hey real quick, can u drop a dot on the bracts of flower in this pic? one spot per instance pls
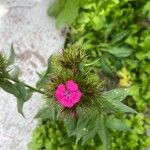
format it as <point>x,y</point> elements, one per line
<point>74,94</point>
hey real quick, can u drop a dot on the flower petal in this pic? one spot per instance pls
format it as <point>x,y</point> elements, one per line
<point>71,85</point>
<point>75,97</point>
<point>60,91</point>
<point>61,87</point>
<point>65,102</point>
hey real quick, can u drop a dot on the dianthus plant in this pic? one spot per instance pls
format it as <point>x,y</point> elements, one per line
<point>73,93</point>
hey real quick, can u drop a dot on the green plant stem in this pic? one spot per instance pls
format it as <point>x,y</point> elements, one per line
<point>26,85</point>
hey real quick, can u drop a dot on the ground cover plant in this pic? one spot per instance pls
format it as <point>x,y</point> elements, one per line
<point>116,34</point>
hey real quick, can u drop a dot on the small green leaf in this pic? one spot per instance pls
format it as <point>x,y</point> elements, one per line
<point>70,124</point>
<point>8,87</point>
<point>81,125</point>
<point>20,103</point>
<point>146,9</point>
<point>106,67</point>
<point>102,131</point>
<point>67,16</point>
<point>115,123</point>
<point>89,131</point>
<point>116,1</point>
<point>22,96</point>
<point>14,74</point>
<point>65,11</point>
<point>46,113</point>
<point>123,108</point>
<point>56,7</point>
<point>12,56</point>
<point>118,94</point>
<point>119,36</point>
<point>44,79</point>
<point>120,52</point>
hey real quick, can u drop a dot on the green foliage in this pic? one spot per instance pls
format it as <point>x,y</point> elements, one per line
<point>135,138</point>
<point>116,33</point>
<point>52,135</point>
<point>66,8</point>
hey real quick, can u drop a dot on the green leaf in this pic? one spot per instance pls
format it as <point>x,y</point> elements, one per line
<point>65,11</point>
<point>118,94</point>
<point>112,99</point>
<point>115,123</point>
<point>81,126</point>
<point>119,36</point>
<point>14,74</point>
<point>46,113</point>
<point>146,9</point>
<point>18,90</point>
<point>105,66</point>
<point>44,79</point>
<point>8,87</point>
<point>102,131</point>
<point>70,124</point>
<point>22,96</point>
<point>123,108</point>
<point>116,1</point>
<point>120,52</point>
<point>20,103</point>
<point>89,131</point>
<point>56,7</point>
<point>12,56</point>
<point>67,16</point>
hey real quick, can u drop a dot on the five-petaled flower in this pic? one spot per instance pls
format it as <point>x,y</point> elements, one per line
<point>68,94</point>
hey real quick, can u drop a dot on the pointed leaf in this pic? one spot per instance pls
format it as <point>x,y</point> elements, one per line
<point>56,7</point>
<point>12,56</point>
<point>116,94</point>
<point>70,124</point>
<point>89,131</point>
<point>115,123</point>
<point>67,16</point>
<point>14,74</point>
<point>123,108</point>
<point>120,52</point>
<point>46,113</point>
<point>113,99</point>
<point>22,96</point>
<point>102,131</point>
<point>20,103</point>
<point>8,87</point>
<point>81,126</point>
<point>43,81</point>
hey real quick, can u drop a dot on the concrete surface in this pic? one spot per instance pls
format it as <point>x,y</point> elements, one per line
<point>35,37</point>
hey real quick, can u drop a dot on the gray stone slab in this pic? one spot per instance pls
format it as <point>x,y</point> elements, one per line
<point>35,38</point>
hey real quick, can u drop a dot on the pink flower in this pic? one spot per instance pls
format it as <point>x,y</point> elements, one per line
<point>69,94</point>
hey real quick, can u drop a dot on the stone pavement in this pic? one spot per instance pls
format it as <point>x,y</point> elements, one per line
<point>35,37</point>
